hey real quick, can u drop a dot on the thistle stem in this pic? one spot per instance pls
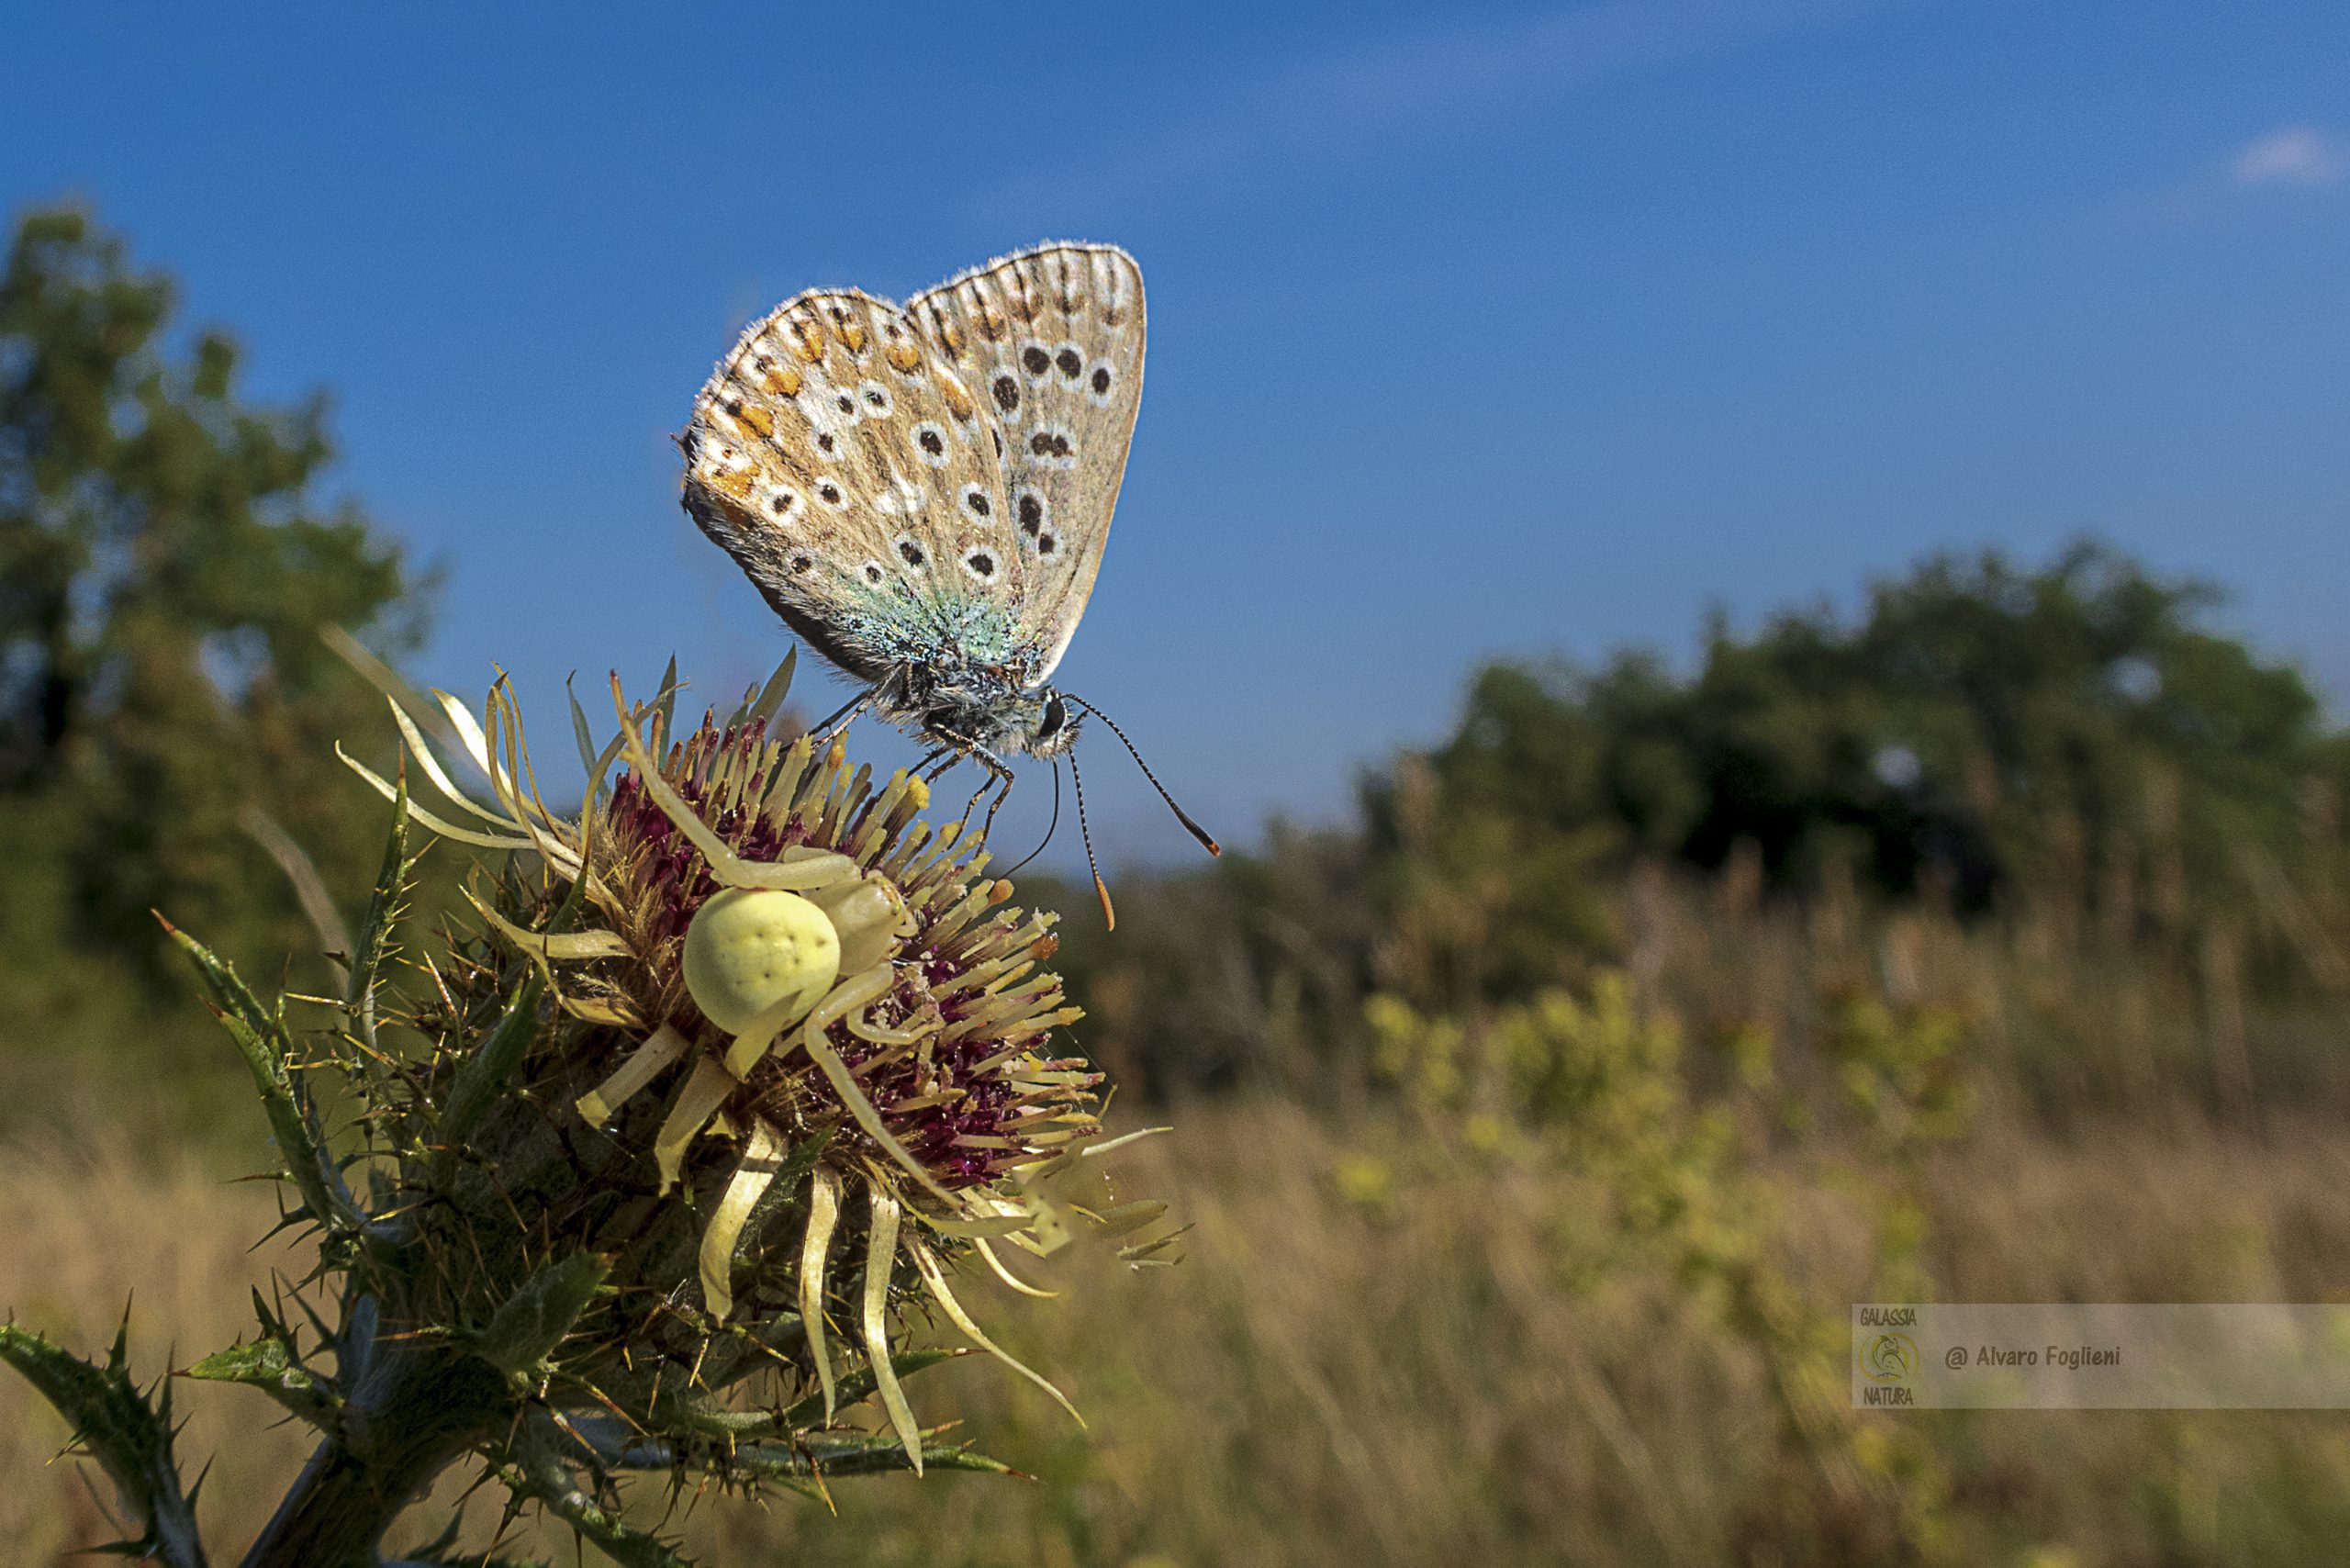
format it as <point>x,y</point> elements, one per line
<point>416,1407</point>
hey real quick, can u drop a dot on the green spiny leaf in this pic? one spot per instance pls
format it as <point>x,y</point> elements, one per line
<point>530,1469</point>
<point>271,1364</point>
<point>844,1454</point>
<point>483,1075</point>
<point>383,910</point>
<point>531,1323</point>
<point>263,1040</point>
<point>130,1437</point>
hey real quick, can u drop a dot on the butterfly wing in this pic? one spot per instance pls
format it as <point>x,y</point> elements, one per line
<point>851,472</point>
<point>1051,342</point>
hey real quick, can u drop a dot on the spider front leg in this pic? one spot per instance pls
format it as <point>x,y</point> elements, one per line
<point>797,869</point>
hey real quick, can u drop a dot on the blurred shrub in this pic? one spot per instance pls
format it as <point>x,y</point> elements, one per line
<point>1980,728</point>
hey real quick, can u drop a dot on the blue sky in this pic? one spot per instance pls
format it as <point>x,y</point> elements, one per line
<point>1479,329</point>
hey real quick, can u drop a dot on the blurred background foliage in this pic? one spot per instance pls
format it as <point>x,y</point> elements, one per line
<point>1986,941</point>
<point>168,710</point>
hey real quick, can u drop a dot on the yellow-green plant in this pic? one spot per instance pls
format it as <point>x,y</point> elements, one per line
<point>644,1173</point>
<point>1591,1087</point>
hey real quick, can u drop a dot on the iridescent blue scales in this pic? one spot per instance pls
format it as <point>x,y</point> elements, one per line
<point>923,493</point>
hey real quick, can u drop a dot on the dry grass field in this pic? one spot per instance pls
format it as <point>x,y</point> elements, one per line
<point>1410,1335</point>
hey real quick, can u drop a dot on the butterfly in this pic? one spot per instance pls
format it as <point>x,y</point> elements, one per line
<point>923,492</point>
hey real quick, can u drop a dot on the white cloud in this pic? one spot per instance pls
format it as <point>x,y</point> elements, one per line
<point>2297,155</point>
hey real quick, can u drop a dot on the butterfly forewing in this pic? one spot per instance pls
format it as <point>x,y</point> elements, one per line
<point>857,477</point>
<point>1050,342</point>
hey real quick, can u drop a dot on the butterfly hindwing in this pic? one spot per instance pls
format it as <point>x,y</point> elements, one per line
<point>855,477</point>
<point>1051,341</point>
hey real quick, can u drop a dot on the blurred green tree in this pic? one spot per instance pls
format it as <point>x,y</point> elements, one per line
<point>166,565</point>
<point>1982,728</point>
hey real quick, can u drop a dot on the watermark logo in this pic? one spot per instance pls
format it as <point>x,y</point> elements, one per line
<point>1889,1358</point>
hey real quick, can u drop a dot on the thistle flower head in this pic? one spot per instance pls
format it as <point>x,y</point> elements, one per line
<point>782,1061</point>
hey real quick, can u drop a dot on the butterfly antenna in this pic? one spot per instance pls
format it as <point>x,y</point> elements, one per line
<point>1206,842</point>
<point>1050,828</point>
<point>1109,915</point>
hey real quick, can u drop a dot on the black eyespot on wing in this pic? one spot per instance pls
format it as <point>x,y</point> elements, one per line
<point>1032,513</point>
<point>975,502</point>
<point>1070,363</point>
<point>1035,360</point>
<point>980,563</point>
<point>1007,393</point>
<point>1046,543</point>
<point>873,573</point>
<point>825,442</point>
<point>932,442</point>
<point>910,553</point>
<point>1102,381</point>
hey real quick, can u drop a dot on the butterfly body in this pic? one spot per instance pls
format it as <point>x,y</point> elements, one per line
<point>924,492</point>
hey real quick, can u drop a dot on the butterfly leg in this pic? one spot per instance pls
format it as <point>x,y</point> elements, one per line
<point>999,776</point>
<point>843,717</point>
<point>999,772</point>
<point>944,757</point>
